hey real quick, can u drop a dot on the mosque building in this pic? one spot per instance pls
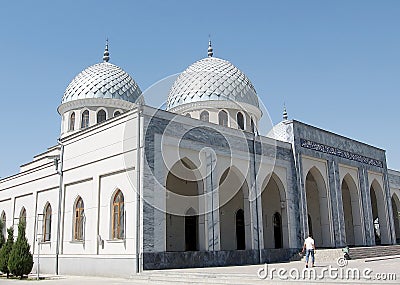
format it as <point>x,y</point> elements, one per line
<point>129,187</point>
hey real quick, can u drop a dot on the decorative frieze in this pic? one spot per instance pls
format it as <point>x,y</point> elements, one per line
<point>340,153</point>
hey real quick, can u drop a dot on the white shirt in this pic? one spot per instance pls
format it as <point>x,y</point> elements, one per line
<point>309,242</point>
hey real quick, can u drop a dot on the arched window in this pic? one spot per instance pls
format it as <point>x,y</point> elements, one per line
<point>204,116</point>
<point>85,120</point>
<point>4,220</point>
<point>252,126</point>
<point>79,218</point>
<point>47,223</point>
<point>278,230</point>
<point>22,215</point>
<point>118,216</point>
<point>188,115</point>
<point>240,232</point>
<point>72,121</point>
<point>223,118</point>
<point>240,120</point>
<point>117,113</point>
<point>101,116</point>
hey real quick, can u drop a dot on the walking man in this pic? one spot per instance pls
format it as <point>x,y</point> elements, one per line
<point>309,247</point>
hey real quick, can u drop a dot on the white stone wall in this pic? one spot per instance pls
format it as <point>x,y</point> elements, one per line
<point>96,162</point>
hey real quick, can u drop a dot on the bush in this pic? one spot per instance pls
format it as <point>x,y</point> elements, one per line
<point>5,252</point>
<point>20,262</point>
<point>2,239</point>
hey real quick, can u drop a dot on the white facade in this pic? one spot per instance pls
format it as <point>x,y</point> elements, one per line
<point>196,192</point>
<point>95,165</point>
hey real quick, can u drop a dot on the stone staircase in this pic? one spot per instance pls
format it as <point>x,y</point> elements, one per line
<point>330,255</point>
<point>323,255</point>
<point>374,251</point>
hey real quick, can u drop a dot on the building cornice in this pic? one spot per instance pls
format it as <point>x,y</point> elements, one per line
<point>94,102</point>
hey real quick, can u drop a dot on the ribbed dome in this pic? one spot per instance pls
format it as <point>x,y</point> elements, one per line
<point>102,80</point>
<point>282,131</point>
<point>211,79</point>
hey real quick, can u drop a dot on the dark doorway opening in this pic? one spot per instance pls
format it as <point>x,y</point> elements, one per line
<point>310,231</point>
<point>191,233</point>
<point>278,230</point>
<point>240,232</point>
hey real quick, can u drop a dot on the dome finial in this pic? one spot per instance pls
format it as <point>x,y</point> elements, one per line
<point>210,49</point>
<point>285,114</point>
<point>106,56</point>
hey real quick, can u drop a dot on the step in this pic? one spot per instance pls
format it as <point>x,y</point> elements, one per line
<point>374,251</point>
<point>196,278</point>
<point>327,255</point>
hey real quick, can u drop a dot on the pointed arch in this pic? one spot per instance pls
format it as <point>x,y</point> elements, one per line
<point>252,125</point>
<point>47,214</point>
<point>205,116</point>
<point>234,196</point>
<point>85,119</point>
<point>190,212</point>
<point>351,211</point>
<point>185,227</point>
<point>118,215</point>
<point>396,216</point>
<point>3,218</point>
<point>185,170</point>
<point>379,215</point>
<point>72,121</point>
<point>240,120</point>
<point>319,207</point>
<point>223,118</point>
<point>191,229</point>
<point>101,116</point>
<point>79,219</point>
<point>22,215</point>
<point>273,201</point>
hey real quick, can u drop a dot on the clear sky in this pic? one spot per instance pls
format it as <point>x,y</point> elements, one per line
<point>336,64</point>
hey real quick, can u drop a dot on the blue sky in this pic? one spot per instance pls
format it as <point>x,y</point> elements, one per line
<point>336,64</point>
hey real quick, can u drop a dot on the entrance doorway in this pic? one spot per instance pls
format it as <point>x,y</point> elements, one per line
<point>240,231</point>
<point>191,233</point>
<point>278,230</point>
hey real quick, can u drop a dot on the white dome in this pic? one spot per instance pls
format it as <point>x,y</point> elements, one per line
<point>102,80</point>
<point>282,131</point>
<point>212,79</point>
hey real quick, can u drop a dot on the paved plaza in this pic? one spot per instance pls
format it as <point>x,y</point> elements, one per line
<point>368,271</point>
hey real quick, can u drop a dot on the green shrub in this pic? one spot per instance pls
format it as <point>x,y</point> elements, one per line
<point>2,239</point>
<point>5,252</point>
<point>20,261</point>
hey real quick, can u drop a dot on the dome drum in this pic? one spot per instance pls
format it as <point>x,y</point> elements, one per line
<point>102,85</point>
<point>95,102</point>
<point>218,105</point>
